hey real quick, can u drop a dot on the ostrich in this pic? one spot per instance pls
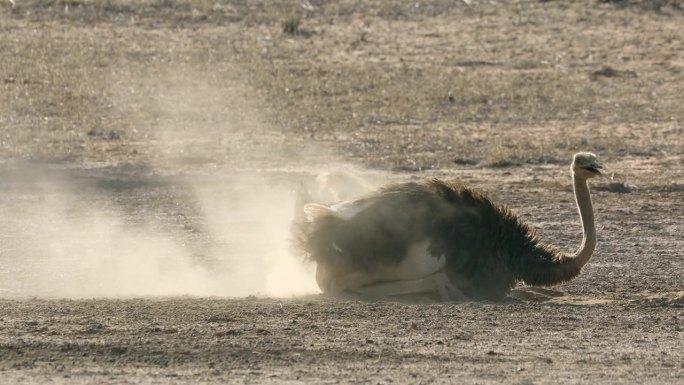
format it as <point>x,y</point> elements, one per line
<point>440,238</point>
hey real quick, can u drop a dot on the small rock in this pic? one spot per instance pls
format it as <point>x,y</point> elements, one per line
<point>119,350</point>
<point>619,187</point>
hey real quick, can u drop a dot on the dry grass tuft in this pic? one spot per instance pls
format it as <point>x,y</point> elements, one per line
<point>291,25</point>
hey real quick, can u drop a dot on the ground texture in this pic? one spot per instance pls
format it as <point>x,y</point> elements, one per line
<point>161,124</point>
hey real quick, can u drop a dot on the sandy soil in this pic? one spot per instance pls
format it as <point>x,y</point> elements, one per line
<point>149,152</point>
<point>330,341</point>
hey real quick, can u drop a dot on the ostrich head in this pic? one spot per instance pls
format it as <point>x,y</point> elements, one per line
<point>586,165</point>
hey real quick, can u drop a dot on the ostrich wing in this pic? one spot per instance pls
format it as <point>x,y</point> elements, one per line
<point>343,210</point>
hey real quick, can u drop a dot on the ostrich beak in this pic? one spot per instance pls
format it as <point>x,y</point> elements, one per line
<point>605,173</point>
<point>596,169</point>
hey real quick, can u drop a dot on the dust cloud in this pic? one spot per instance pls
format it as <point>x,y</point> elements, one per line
<point>63,238</point>
<point>197,219</point>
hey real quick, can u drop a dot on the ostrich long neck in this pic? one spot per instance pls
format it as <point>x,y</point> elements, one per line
<point>586,213</point>
<point>545,265</point>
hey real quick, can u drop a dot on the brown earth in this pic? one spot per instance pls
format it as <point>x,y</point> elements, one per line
<point>148,151</point>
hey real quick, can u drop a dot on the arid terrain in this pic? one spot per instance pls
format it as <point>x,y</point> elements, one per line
<point>150,152</point>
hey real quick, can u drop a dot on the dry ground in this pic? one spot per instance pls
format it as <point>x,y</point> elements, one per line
<point>138,108</point>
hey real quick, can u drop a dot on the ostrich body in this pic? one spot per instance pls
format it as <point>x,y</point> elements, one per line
<point>439,237</point>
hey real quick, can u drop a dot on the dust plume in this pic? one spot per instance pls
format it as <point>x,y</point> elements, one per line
<point>70,236</point>
<point>59,243</point>
<point>209,214</point>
